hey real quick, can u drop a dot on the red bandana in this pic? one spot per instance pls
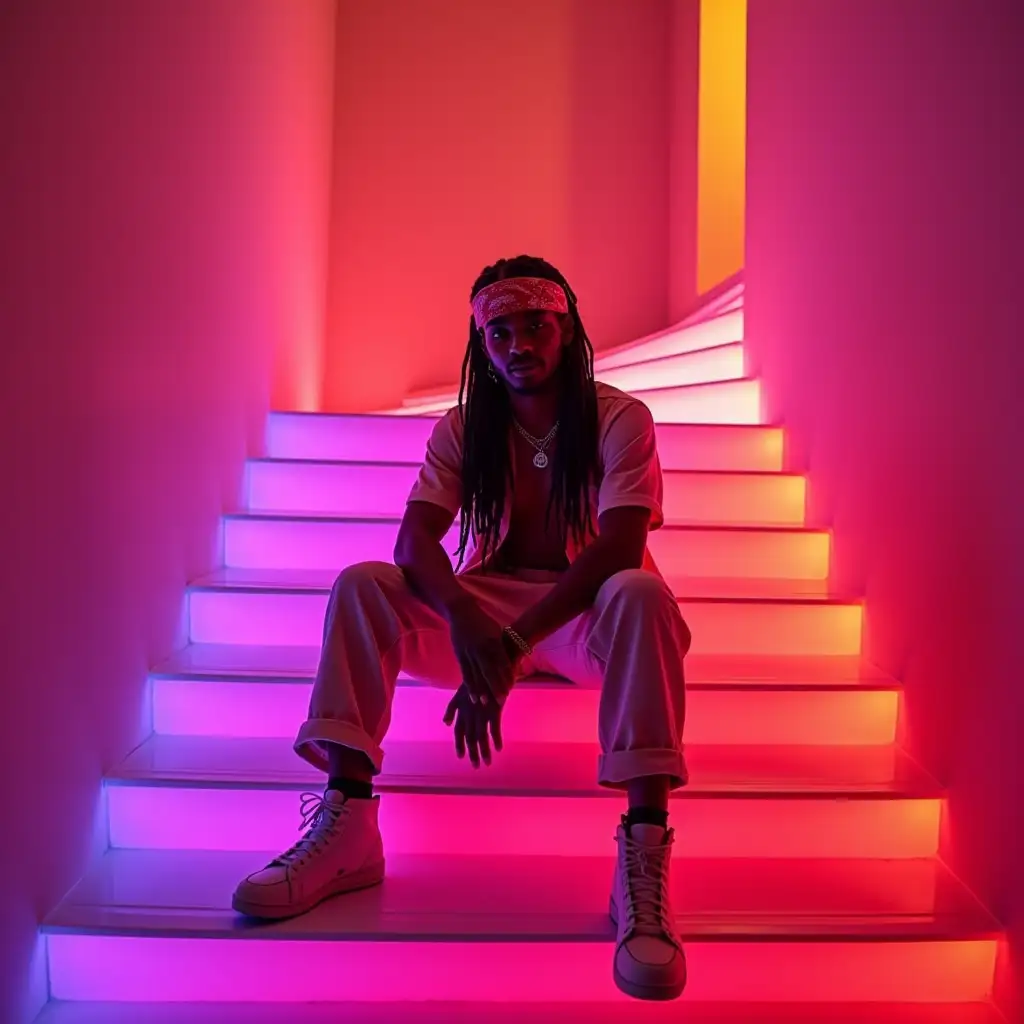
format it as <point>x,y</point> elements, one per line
<point>516,295</point>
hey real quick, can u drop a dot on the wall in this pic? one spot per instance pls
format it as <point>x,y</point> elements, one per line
<point>164,195</point>
<point>883,264</point>
<point>465,132</point>
<point>684,97</point>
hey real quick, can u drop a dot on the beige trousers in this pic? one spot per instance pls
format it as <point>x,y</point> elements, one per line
<point>631,644</point>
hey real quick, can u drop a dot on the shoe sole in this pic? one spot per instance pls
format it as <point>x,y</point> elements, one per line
<point>364,878</point>
<point>654,993</point>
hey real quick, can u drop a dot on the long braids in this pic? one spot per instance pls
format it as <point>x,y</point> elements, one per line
<point>487,419</point>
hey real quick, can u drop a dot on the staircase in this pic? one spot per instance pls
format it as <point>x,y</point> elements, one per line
<point>806,876</point>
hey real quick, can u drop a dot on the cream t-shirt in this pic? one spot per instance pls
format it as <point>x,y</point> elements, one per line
<point>629,470</point>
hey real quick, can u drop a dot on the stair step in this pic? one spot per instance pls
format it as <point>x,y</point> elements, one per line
<point>715,330</point>
<point>367,438</point>
<point>734,402</point>
<point>540,712</point>
<point>236,690</point>
<point>380,490</point>
<point>708,365</point>
<point>726,616</point>
<point>544,898</point>
<point>231,793</point>
<point>470,1012</point>
<point>816,929</point>
<point>227,662</point>
<point>303,542</point>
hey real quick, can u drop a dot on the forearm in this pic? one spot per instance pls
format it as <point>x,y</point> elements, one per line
<point>576,590</point>
<point>428,570</point>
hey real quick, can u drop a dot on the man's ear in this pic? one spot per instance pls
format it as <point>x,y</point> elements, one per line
<point>568,329</point>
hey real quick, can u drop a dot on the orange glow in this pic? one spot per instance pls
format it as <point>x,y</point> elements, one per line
<point>721,140</point>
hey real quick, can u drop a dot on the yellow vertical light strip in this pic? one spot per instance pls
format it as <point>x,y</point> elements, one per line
<point>721,140</point>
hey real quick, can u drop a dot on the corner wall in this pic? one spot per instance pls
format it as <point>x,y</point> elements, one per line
<point>883,268</point>
<point>163,191</point>
<point>468,131</point>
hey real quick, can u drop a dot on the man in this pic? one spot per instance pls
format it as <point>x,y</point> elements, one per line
<point>534,453</point>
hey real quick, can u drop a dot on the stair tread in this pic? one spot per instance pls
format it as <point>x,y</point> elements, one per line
<point>533,769</point>
<point>550,898</point>
<point>473,1012</point>
<point>227,662</point>
<point>671,526</point>
<point>313,581</point>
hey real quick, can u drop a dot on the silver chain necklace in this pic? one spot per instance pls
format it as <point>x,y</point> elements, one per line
<point>540,460</point>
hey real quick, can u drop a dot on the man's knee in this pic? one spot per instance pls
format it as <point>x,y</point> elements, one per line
<point>646,592</point>
<point>637,586</point>
<point>354,578</point>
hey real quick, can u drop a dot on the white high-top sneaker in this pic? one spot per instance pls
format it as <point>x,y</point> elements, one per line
<point>340,852</point>
<point>649,960</point>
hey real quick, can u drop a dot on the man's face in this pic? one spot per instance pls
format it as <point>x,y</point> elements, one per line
<point>526,348</point>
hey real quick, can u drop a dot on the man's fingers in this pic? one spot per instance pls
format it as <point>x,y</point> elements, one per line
<point>472,738</point>
<point>460,736</point>
<point>449,715</point>
<point>495,723</point>
<point>485,746</point>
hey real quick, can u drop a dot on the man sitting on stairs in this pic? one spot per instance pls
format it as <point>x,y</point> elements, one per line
<point>535,451</point>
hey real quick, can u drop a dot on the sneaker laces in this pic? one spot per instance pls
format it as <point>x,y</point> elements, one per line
<point>646,895</point>
<point>320,819</point>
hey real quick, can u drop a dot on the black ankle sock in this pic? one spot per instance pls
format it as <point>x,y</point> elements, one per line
<point>646,816</point>
<point>351,789</point>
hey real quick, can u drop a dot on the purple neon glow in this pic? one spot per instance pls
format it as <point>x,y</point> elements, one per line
<point>280,543</point>
<point>122,968</point>
<point>359,489</point>
<point>539,714</point>
<point>239,616</point>
<point>233,817</point>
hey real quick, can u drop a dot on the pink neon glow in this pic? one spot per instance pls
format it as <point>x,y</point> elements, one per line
<point>719,627</point>
<point>280,543</point>
<point>718,330</point>
<point>349,489</point>
<point>703,366</point>
<point>736,402</point>
<point>121,968</point>
<point>238,818</point>
<point>539,714</point>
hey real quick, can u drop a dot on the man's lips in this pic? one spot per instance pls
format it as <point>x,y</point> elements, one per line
<point>531,364</point>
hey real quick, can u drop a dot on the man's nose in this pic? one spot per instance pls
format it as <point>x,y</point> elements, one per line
<point>521,341</point>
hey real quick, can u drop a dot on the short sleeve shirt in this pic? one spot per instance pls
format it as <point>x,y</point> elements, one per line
<point>629,470</point>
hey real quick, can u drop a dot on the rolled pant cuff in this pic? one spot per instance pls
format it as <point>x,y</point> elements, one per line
<point>315,732</point>
<point>620,767</point>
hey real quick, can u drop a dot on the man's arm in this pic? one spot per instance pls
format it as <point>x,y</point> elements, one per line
<point>423,560</point>
<point>620,545</point>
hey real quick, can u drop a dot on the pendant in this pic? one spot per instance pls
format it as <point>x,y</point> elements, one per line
<point>540,460</point>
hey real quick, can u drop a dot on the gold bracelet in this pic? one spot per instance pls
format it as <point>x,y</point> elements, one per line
<point>518,640</point>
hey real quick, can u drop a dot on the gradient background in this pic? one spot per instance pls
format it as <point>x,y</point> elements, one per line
<point>193,196</point>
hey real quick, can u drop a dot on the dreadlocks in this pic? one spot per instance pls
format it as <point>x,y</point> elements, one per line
<point>487,418</point>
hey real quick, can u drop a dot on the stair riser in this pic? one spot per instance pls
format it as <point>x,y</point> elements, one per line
<point>154,968</point>
<point>241,818</point>
<point>253,543</point>
<point>718,627</point>
<point>709,366</point>
<point>720,330</point>
<point>404,439</point>
<point>539,714</point>
<point>351,489</point>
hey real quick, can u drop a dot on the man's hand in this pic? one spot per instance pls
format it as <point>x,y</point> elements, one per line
<point>487,663</point>
<point>473,721</point>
